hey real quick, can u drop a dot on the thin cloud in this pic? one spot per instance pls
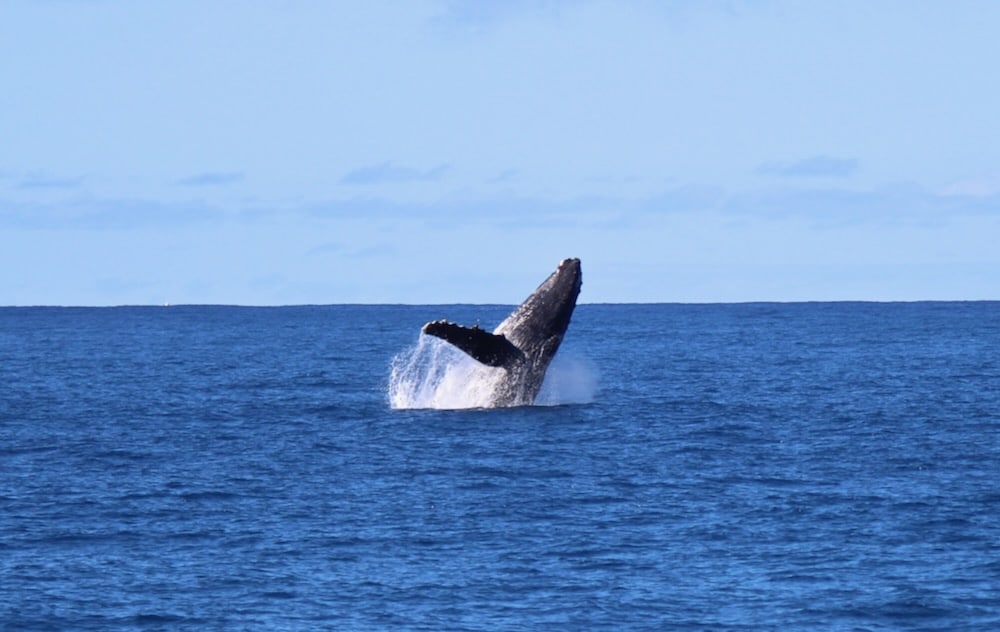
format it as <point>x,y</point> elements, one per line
<point>376,251</point>
<point>884,205</point>
<point>898,204</point>
<point>685,199</point>
<point>505,176</point>
<point>211,179</point>
<point>986,186</point>
<point>474,15</point>
<point>102,214</point>
<point>814,167</point>
<point>328,248</point>
<point>387,172</point>
<point>45,182</point>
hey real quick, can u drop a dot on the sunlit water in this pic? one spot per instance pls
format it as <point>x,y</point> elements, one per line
<point>699,467</point>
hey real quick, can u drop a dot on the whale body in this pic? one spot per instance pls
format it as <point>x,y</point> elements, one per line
<point>524,344</point>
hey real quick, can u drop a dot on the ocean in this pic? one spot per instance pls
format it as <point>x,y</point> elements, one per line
<point>813,466</point>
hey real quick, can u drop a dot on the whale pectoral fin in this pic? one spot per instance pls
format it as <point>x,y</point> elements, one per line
<point>490,349</point>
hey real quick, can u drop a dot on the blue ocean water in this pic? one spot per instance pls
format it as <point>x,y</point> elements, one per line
<point>823,466</point>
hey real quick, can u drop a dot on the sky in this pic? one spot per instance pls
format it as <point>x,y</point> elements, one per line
<point>310,152</point>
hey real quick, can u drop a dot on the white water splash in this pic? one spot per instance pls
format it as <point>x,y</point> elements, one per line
<point>571,379</point>
<point>434,374</point>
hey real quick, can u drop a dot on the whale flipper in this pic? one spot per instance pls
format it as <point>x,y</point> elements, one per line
<point>490,349</point>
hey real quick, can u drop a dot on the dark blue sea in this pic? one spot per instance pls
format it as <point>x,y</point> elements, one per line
<point>822,466</point>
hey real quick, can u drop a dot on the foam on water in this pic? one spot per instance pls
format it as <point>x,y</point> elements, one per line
<point>434,374</point>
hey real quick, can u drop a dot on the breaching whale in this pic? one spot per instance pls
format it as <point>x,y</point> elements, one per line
<point>525,342</point>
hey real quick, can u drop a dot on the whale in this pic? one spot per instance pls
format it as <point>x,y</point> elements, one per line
<point>524,344</point>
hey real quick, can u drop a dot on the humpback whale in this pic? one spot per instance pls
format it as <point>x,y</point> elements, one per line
<point>525,342</point>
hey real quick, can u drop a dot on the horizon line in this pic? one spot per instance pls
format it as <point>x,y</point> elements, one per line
<point>477,304</point>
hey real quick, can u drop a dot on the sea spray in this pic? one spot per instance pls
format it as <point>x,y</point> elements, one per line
<point>435,374</point>
<point>571,379</point>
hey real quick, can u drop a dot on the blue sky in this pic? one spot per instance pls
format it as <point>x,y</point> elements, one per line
<point>421,152</point>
